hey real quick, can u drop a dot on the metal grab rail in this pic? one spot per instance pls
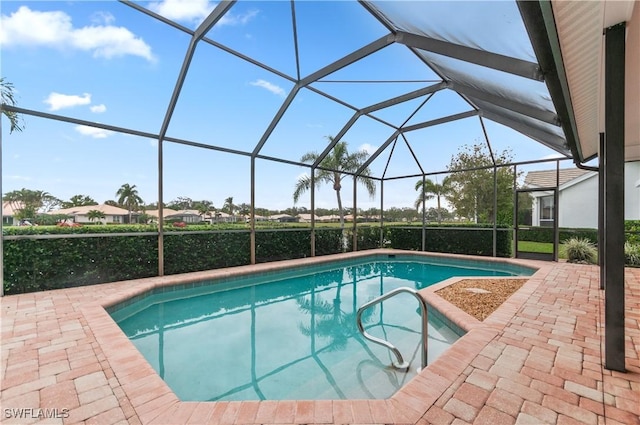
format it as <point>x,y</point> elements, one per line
<point>401,364</point>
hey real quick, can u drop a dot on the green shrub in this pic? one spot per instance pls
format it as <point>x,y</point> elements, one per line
<point>328,241</point>
<point>632,231</point>
<point>274,246</point>
<point>454,239</point>
<point>545,234</point>
<point>632,254</point>
<point>580,250</point>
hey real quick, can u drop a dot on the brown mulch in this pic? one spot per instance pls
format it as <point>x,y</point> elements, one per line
<point>480,297</point>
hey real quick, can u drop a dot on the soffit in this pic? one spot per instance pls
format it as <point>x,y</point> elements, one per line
<point>580,28</point>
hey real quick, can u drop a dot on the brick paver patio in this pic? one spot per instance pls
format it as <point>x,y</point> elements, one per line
<point>538,359</point>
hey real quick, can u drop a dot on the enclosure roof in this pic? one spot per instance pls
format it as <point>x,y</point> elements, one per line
<point>532,66</point>
<point>480,51</point>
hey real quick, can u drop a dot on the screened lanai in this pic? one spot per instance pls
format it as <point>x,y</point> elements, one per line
<point>230,96</point>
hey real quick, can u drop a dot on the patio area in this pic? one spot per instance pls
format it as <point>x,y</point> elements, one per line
<point>537,359</point>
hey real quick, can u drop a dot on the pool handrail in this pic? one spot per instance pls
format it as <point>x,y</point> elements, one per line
<point>400,364</point>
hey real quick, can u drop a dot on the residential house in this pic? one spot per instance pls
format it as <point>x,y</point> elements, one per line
<point>284,218</point>
<point>156,213</point>
<point>578,196</point>
<point>306,218</point>
<point>186,216</point>
<point>9,211</point>
<point>223,217</point>
<point>113,215</point>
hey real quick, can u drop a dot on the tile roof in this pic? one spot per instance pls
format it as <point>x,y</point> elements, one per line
<point>547,178</point>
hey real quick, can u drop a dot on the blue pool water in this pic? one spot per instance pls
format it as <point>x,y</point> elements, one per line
<point>292,335</point>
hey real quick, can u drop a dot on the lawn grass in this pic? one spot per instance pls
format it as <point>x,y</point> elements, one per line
<point>540,247</point>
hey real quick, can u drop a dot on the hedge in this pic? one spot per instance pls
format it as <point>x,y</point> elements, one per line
<point>545,234</point>
<point>453,239</point>
<point>41,264</point>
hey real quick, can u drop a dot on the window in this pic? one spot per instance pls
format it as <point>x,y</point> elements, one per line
<point>546,211</point>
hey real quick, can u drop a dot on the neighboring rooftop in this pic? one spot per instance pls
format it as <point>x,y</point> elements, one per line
<point>547,178</point>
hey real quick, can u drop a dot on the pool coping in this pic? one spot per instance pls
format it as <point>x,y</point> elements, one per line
<point>154,402</point>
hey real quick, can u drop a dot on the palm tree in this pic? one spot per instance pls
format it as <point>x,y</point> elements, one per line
<point>228,206</point>
<point>129,198</point>
<point>428,189</point>
<point>95,215</point>
<point>7,98</point>
<point>205,208</point>
<point>335,165</point>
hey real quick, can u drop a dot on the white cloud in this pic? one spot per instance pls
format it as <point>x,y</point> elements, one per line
<point>370,149</point>
<point>183,10</point>
<point>153,143</point>
<point>273,88</point>
<point>16,177</point>
<point>98,109</point>
<point>103,18</point>
<point>553,156</point>
<point>195,11</point>
<point>27,27</point>
<point>96,133</point>
<point>58,101</point>
<point>302,176</point>
<point>243,19</point>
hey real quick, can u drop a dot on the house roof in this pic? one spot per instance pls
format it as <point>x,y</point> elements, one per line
<point>8,209</point>
<point>106,209</point>
<point>547,178</point>
<point>182,213</point>
<point>165,212</point>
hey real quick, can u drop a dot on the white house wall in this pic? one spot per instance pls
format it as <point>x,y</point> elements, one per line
<point>579,205</point>
<point>632,191</point>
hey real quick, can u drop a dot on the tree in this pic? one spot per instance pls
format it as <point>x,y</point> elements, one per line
<point>434,214</point>
<point>128,197</point>
<point>204,207</point>
<point>471,192</point>
<point>79,201</point>
<point>244,209</point>
<point>95,215</point>
<point>228,206</point>
<point>428,189</point>
<point>27,203</point>
<point>7,98</point>
<point>335,165</point>
<point>181,203</point>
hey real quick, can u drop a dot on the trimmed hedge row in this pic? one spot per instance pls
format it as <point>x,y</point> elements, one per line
<point>42,264</point>
<point>545,234</point>
<point>455,240</point>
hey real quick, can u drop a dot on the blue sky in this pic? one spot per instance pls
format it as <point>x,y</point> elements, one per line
<point>103,61</point>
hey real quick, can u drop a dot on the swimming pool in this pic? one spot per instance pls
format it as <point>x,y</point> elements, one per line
<point>292,334</point>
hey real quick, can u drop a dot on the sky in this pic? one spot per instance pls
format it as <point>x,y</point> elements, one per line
<point>105,62</point>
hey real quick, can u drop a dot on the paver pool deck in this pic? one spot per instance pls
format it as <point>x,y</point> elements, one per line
<point>538,359</point>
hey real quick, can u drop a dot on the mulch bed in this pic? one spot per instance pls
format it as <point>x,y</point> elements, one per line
<point>480,297</point>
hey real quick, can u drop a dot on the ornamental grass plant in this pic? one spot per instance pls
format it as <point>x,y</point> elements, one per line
<point>580,250</point>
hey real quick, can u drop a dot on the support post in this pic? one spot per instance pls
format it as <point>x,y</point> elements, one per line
<point>313,212</point>
<point>556,214</point>
<point>424,213</point>
<point>602,253</point>
<point>354,213</point>
<point>515,211</point>
<point>614,197</point>
<point>382,214</point>
<point>494,233</point>
<point>252,234</point>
